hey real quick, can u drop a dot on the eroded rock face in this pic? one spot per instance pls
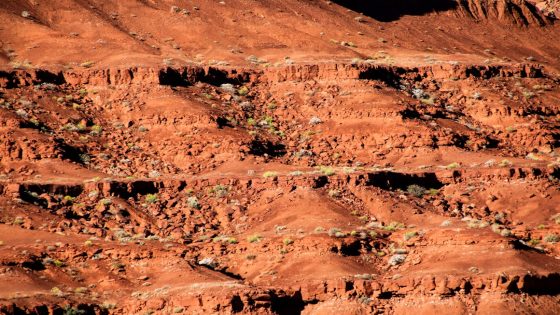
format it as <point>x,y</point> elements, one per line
<point>373,235</point>
<point>551,8</point>
<point>517,12</point>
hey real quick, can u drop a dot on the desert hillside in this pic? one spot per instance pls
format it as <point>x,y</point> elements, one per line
<point>279,157</point>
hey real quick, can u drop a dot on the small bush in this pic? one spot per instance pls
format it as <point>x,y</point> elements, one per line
<point>477,224</point>
<point>81,290</point>
<point>108,305</point>
<point>327,170</point>
<point>334,193</point>
<point>57,292</point>
<point>269,174</point>
<point>556,218</point>
<point>528,94</point>
<point>193,202</point>
<point>96,130</point>
<point>552,238</point>
<point>397,259</point>
<point>288,241</point>
<point>506,232</point>
<point>410,235</point>
<point>334,231</point>
<point>87,64</point>
<point>243,91</point>
<point>220,190</point>
<point>151,198</point>
<point>453,165</point>
<point>393,226</point>
<point>69,199</point>
<point>254,238</point>
<point>416,190</point>
<point>315,120</point>
<point>340,234</point>
<point>505,163</point>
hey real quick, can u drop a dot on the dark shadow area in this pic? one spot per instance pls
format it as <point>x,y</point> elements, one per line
<point>393,181</point>
<point>44,76</point>
<point>133,189</point>
<point>17,78</point>
<point>409,113</point>
<point>520,245</point>
<point>172,77</point>
<point>392,10</point>
<point>385,295</point>
<point>41,127</point>
<point>261,148</point>
<point>541,284</point>
<point>223,122</point>
<point>348,248</point>
<point>188,76</point>
<point>390,76</point>
<point>320,182</point>
<point>83,309</point>
<point>50,189</point>
<point>236,304</point>
<point>287,304</point>
<point>69,152</point>
<point>34,264</point>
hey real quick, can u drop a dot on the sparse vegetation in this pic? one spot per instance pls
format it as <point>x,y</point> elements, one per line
<point>416,190</point>
<point>552,238</point>
<point>505,163</point>
<point>453,165</point>
<point>151,198</point>
<point>192,201</point>
<point>87,64</point>
<point>269,174</point>
<point>254,238</point>
<point>410,235</point>
<point>243,91</point>
<point>219,191</point>
<point>477,224</point>
<point>334,193</point>
<point>57,292</point>
<point>336,232</point>
<point>327,170</point>
<point>393,226</point>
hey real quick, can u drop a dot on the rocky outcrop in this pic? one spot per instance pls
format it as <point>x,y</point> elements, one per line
<point>515,12</point>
